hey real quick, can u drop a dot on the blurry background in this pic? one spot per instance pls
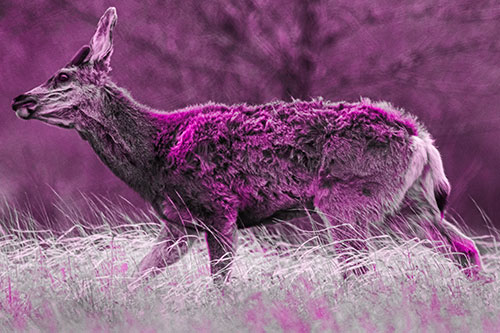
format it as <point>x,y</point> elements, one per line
<point>437,59</point>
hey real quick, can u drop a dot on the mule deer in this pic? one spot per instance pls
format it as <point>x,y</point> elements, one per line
<point>215,168</point>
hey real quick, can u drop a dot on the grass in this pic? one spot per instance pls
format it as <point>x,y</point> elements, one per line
<point>78,281</point>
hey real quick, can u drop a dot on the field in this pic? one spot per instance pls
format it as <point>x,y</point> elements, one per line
<point>80,280</point>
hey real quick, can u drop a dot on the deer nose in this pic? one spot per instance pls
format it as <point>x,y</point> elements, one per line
<point>27,101</point>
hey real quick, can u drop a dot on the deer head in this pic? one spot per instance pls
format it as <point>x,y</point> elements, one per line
<point>67,98</point>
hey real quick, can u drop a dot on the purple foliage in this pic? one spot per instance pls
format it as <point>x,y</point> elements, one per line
<point>437,59</point>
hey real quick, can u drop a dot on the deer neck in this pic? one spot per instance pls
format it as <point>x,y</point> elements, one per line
<point>123,139</point>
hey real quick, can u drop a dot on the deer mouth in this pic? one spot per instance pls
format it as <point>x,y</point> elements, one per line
<point>25,113</point>
<point>25,109</point>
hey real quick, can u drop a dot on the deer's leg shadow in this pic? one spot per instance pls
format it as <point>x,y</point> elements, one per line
<point>290,228</point>
<point>309,225</point>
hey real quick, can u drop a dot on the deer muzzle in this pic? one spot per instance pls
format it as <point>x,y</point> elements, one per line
<point>25,106</point>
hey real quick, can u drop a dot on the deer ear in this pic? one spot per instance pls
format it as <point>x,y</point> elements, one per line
<point>80,57</point>
<point>101,44</point>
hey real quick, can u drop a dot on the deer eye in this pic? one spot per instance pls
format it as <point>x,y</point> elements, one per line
<point>63,77</point>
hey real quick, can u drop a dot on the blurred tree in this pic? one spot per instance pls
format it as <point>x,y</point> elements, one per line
<point>437,59</point>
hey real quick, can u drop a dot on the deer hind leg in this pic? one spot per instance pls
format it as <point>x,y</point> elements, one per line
<point>419,216</point>
<point>450,241</point>
<point>350,210</point>
<point>458,246</point>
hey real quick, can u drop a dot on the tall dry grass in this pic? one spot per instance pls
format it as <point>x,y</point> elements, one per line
<point>79,279</point>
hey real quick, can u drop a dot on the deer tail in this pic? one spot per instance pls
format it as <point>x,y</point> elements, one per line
<point>440,182</point>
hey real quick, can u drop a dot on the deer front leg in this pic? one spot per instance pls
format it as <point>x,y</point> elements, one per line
<point>170,246</point>
<point>221,243</point>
